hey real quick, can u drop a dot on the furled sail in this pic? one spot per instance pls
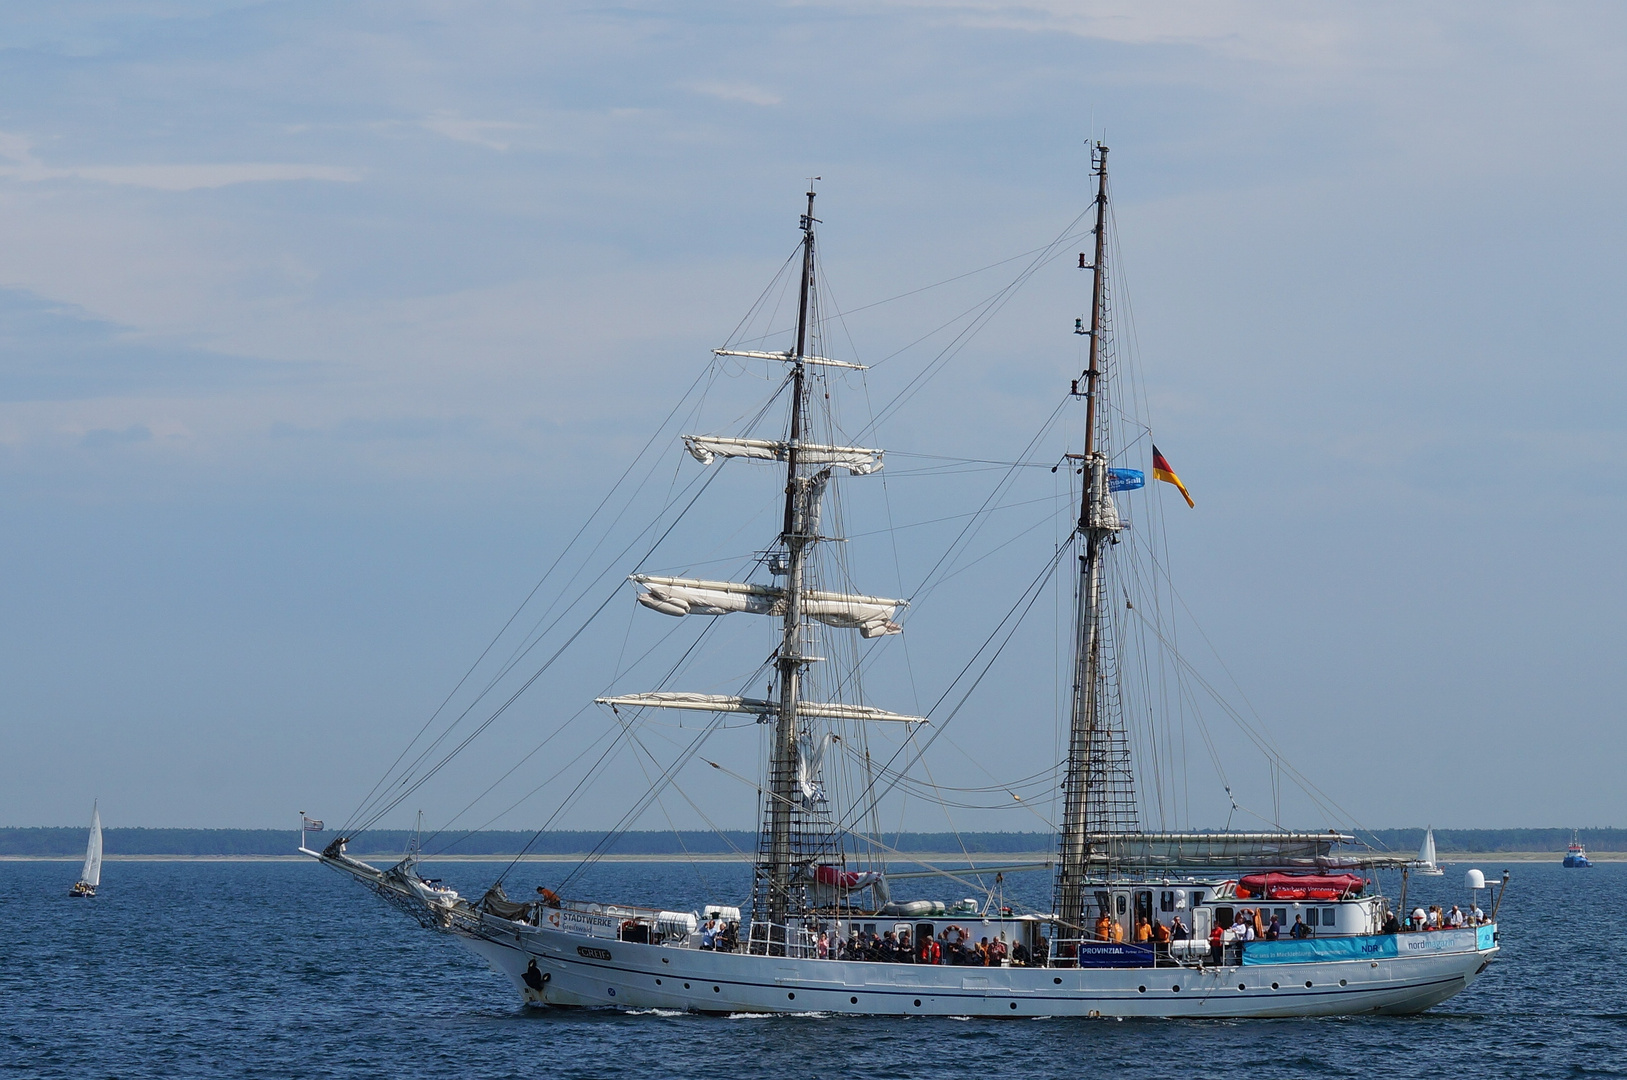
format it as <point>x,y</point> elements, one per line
<point>728,703</point>
<point>855,459</point>
<point>92,873</point>
<point>872,616</point>
<point>810,759</point>
<point>816,361</point>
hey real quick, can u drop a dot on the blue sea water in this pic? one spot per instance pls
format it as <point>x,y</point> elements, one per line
<point>284,969</point>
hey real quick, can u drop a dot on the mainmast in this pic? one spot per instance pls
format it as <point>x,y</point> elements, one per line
<point>1094,532</point>
<point>783,800</point>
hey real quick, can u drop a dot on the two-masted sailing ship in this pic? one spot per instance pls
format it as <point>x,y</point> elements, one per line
<point>1140,923</point>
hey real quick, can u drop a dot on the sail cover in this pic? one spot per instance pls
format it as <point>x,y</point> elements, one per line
<point>872,616</point>
<point>728,703</point>
<point>855,459</point>
<point>92,873</point>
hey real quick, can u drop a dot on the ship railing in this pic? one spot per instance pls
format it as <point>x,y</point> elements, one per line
<point>1187,953</point>
<point>778,939</point>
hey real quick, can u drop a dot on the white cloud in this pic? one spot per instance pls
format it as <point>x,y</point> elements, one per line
<point>746,93</point>
<point>27,168</point>
<point>461,129</point>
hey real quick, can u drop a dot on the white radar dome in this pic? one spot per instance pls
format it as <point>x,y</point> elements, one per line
<point>1474,879</point>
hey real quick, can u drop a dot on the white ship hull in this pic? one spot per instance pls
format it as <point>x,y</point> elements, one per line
<point>578,970</point>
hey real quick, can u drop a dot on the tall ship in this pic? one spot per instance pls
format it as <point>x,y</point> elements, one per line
<point>1266,922</point>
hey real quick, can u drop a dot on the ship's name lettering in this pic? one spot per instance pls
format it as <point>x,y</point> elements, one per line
<point>592,953</point>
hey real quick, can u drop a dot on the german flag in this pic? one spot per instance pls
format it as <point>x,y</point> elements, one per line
<point>1162,471</point>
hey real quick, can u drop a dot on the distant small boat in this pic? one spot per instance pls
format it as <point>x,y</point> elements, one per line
<point>1426,855</point>
<point>1576,855</point>
<point>91,875</point>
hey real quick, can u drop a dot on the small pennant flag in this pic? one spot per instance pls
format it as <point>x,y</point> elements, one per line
<point>310,824</point>
<point>1162,471</point>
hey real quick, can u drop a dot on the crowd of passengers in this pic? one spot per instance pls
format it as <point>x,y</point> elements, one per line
<point>1251,924</point>
<point>954,945</point>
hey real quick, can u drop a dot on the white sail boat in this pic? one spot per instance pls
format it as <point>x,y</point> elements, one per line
<point>91,876</point>
<point>1426,856</point>
<point>1140,923</point>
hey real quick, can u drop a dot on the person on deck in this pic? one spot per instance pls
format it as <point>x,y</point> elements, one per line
<point>1300,930</point>
<point>1274,931</point>
<point>1392,925</point>
<point>709,934</point>
<point>906,951</point>
<point>1104,927</point>
<point>1178,930</point>
<point>1143,932</point>
<point>1454,918</point>
<point>1476,916</point>
<point>1217,944</point>
<point>1118,931</point>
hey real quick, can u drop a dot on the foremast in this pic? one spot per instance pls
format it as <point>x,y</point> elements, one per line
<point>1084,815</point>
<point>777,862</point>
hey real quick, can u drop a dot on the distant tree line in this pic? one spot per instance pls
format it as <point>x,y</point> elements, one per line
<point>71,841</point>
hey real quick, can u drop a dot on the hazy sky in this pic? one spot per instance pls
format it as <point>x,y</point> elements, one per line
<point>321,327</point>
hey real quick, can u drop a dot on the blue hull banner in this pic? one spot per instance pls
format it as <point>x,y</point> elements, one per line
<point>1312,950</point>
<point>1098,954</point>
<point>1430,941</point>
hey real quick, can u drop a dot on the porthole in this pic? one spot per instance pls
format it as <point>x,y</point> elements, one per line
<point>717,989</point>
<point>611,991</point>
<point>686,986</point>
<point>790,997</point>
<point>1273,986</point>
<point>658,982</point>
<point>1307,984</point>
<point>1176,989</point>
<point>1057,980</point>
<point>1343,983</point>
<point>1241,986</point>
<point>664,960</point>
<point>1141,989</point>
<point>1013,1004</point>
<point>917,1003</point>
<point>853,1000</point>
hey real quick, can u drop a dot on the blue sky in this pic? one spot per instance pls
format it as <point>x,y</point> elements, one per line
<point>320,327</point>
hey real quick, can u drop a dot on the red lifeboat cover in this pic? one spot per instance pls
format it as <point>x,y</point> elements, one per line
<point>826,874</point>
<point>1299,886</point>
